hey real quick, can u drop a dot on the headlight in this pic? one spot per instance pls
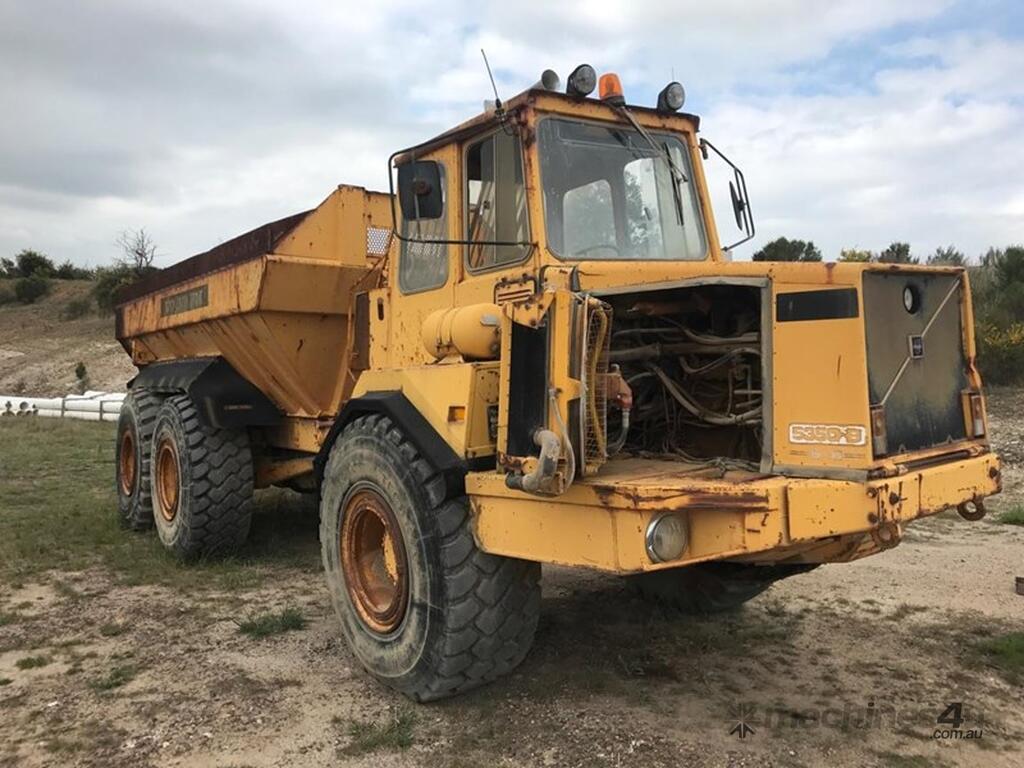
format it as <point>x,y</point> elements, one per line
<point>582,81</point>
<point>671,97</point>
<point>666,538</point>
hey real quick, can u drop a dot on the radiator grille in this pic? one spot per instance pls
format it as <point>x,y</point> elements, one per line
<point>594,375</point>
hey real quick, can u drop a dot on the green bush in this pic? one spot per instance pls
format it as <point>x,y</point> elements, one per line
<point>77,308</point>
<point>1000,352</point>
<point>110,280</point>
<point>30,288</point>
<point>34,263</point>
<point>68,271</point>
<point>6,295</point>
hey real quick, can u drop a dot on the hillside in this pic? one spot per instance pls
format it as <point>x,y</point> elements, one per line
<point>39,350</point>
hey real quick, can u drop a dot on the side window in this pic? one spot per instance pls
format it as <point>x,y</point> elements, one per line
<point>496,202</point>
<point>589,219</point>
<point>424,265</point>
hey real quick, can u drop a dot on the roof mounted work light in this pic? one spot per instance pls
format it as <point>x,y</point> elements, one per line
<point>582,81</point>
<point>611,89</point>
<point>671,97</point>
<point>549,81</point>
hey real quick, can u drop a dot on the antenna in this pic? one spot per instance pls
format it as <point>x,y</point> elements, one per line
<point>497,99</point>
<point>499,110</point>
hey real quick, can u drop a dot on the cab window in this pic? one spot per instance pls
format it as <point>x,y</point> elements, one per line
<point>496,202</point>
<point>424,265</point>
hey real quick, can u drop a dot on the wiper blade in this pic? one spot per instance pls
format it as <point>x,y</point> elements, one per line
<point>662,149</point>
<point>678,177</point>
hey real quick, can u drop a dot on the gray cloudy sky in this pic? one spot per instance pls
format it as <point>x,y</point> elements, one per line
<point>857,122</point>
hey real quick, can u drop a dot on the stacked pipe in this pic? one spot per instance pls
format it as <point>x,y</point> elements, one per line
<point>90,406</point>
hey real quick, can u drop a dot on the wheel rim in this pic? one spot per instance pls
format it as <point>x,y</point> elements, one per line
<point>167,475</point>
<point>374,561</point>
<point>126,463</point>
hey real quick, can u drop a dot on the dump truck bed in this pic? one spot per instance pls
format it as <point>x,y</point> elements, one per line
<point>275,303</point>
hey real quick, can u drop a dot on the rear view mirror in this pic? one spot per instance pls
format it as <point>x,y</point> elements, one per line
<point>420,193</point>
<point>737,195</point>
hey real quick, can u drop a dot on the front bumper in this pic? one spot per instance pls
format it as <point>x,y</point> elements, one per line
<point>600,522</point>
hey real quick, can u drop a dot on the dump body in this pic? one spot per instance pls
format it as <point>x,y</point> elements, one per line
<point>275,303</point>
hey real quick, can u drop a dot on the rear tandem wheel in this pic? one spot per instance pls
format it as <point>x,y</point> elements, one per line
<point>202,482</point>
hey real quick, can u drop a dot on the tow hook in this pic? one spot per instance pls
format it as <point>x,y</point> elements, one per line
<point>972,510</point>
<point>540,478</point>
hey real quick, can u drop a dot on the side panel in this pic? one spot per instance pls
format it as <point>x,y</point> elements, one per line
<point>819,381</point>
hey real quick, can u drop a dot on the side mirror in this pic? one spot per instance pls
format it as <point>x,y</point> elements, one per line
<point>737,193</point>
<point>420,192</point>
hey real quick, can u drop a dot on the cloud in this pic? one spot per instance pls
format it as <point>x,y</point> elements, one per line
<point>200,120</point>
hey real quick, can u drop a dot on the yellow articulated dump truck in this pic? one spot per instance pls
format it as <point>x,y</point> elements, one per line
<point>535,349</point>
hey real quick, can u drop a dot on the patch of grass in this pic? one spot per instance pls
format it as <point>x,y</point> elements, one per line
<point>112,629</point>
<point>60,513</point>
<point>5,681</point>
<point>115,678</point>
<point>267,624</point>
<point>1006,653</point>
<point>1013,516</point>
<point>896,760</point>
<point>8,618</point>
<point>903,610</point>
<point>396,734</point>
<point>32,662</point>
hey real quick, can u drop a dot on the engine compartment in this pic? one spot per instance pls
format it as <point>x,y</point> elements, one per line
<point>692,358</point>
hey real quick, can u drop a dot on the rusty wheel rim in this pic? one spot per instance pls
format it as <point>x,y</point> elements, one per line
<point>374,561</point>
<point>126,463</point>
<point>167,476</point>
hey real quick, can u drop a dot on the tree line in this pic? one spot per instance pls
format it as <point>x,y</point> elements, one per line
<point>784,249</point>
<point>33,274</point>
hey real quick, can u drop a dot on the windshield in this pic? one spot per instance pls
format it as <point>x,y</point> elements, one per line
<point>608,194</point>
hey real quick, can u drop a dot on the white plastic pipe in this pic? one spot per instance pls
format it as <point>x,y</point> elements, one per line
<point>92,406</point>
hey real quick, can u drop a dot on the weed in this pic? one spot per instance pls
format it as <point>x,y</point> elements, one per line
<point>8,618</point>
<point>115,678</point>
<point>267,624</point>
<point>903,610</point>
<point>1006,653</point>
<point>5,681</point>
<point>111,629</point>
<point>1013,516</point>
<point>32,662</point>
<point>373,737</point>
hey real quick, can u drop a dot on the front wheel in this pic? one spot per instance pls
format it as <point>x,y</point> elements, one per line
<point>422,608</point>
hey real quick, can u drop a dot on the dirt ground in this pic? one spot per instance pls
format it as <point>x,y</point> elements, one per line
<point>847,665</point>
<point>39,349</point>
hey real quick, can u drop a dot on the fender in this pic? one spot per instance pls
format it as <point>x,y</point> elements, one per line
<point>225,398</point>
<point>397,407</point>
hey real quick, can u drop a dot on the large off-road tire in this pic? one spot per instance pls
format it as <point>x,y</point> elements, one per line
<point>131,474</point>
<point>422,608</point>
<point>202,483</point>
<point>710,587</point>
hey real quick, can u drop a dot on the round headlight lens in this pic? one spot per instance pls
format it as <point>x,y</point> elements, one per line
<point>582,81</point>
<point>671,97</point>
<point>666,538</point>
<point>911,298</point>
